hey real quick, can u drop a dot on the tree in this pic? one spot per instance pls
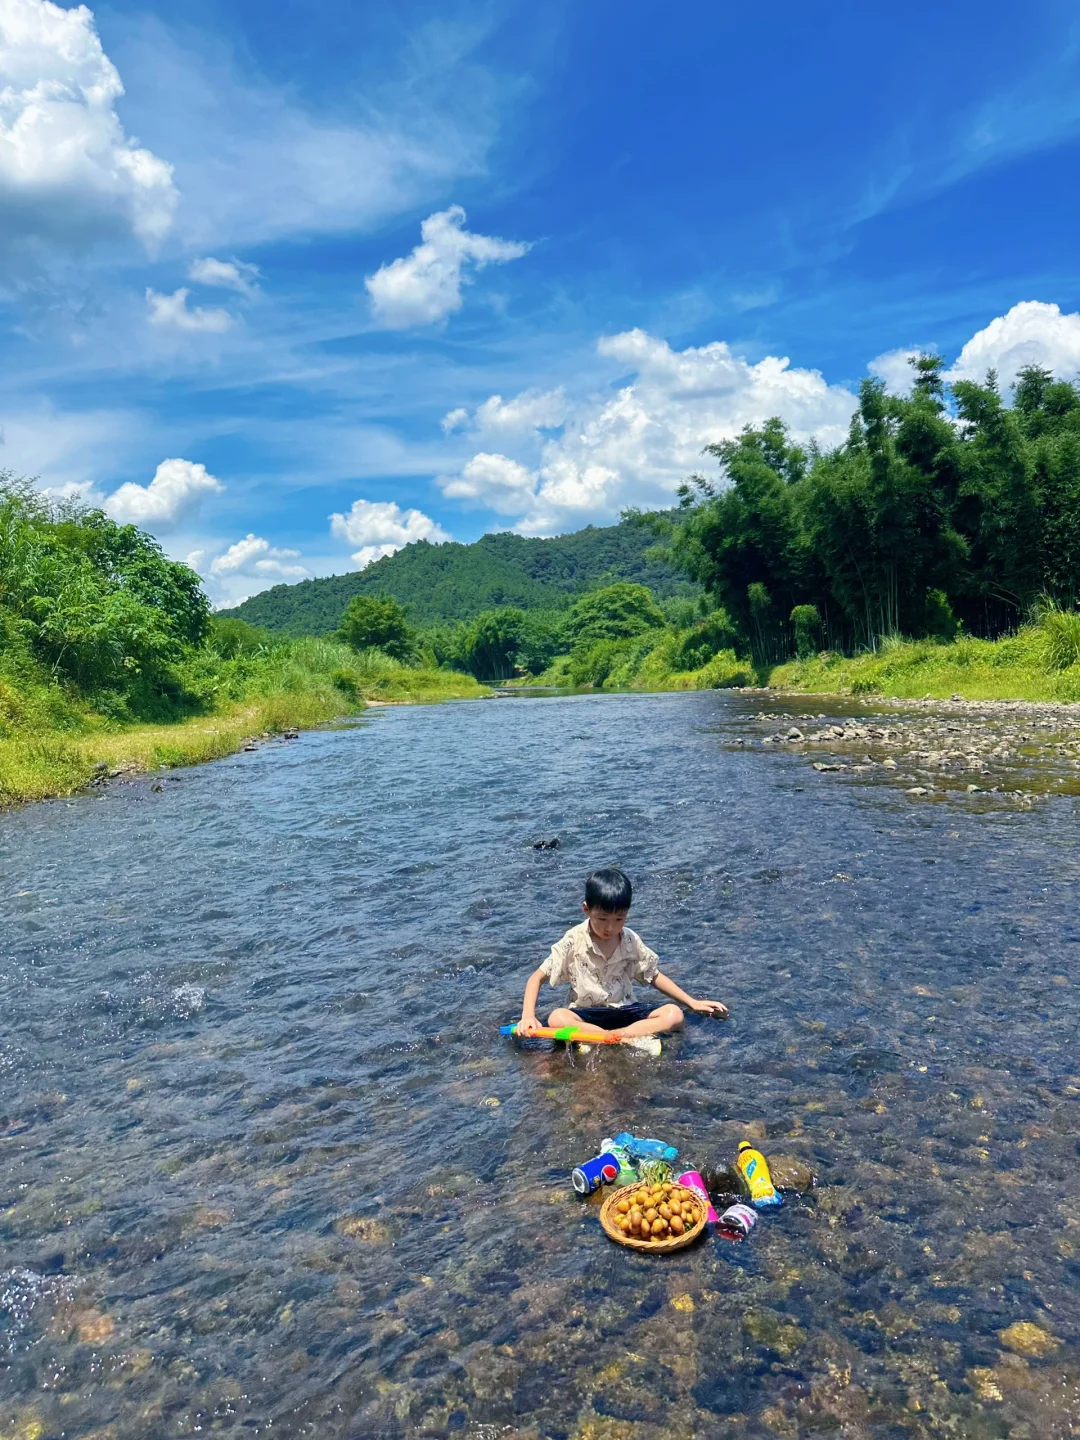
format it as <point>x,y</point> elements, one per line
<point>615,612</point>
<point>372,620</point>
<point>492,643</point>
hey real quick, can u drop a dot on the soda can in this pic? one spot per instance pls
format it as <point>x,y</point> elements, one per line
<point>737,1221</point>
<point>601,1170</point>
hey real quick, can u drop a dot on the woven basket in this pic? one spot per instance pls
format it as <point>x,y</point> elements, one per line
<point>651,1247</point>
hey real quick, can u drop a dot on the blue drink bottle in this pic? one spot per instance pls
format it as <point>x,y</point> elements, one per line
<point>646,1149</point>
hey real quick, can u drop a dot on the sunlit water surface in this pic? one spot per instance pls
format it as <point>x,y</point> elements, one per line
<point>267,1166</point>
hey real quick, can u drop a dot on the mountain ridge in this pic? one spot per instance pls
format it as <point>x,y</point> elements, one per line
<point>436,584</point>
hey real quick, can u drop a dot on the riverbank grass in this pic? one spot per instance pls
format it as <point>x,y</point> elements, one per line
<point>1025,666</point>
<point>55,746</point>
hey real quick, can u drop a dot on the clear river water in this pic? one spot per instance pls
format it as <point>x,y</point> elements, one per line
<point>267,1167</point>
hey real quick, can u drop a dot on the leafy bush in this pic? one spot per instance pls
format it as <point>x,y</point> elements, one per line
<point>707,638</point>
<point>1061,636</point>
<point>374,620</point>
<point>806,627</point>
<point>97,605</point>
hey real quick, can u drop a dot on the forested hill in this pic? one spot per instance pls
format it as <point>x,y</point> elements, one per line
<point>456,582</point>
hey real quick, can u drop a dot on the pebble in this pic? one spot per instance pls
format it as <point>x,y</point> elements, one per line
<point>945,741</point>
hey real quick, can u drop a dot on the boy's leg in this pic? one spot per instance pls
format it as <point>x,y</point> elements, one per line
<point>657,1022</point>
<point>558,1018</point>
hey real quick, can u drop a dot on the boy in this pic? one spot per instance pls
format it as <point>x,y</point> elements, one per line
<point>599,960</point>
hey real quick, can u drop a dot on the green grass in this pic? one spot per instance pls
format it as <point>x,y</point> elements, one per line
<point>52,743</point>
<point>1037,663</point>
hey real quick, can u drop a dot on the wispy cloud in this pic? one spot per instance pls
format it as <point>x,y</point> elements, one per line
<point>256,163</point>
<point>171,312</point>
<point>225,274</point>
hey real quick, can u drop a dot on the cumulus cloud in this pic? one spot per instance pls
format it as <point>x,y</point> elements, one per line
<point>380,527</point>
<point>531,410</point>
<point>174,494</point>
<point>253,557</point>
<point>1031,333</point>
<point>225,274</point>
<point>68,173</point>
<point>425,286</point>
<point>637,446</point>
<point>894,367</point>
<point>170,312</point>
<point>496,481</point>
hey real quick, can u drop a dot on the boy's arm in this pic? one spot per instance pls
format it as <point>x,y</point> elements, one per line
<point>667,986</point>
<point>528,1022</point>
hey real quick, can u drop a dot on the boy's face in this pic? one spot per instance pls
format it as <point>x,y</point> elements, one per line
<point>605,924</point>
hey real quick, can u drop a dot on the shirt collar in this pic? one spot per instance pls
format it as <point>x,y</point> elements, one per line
<point>592,946</point>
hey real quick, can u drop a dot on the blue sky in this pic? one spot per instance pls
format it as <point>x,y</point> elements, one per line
<point>220,315</point>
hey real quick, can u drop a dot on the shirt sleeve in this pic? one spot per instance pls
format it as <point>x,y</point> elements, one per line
<point>646,963</point>
<point>557,965</point>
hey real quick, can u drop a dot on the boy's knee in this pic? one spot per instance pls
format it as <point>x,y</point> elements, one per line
<point>671,1015</point>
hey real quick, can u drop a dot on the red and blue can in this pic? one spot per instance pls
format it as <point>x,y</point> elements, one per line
<point>601,1170</point>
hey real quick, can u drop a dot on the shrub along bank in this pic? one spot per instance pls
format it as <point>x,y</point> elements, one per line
<point>110,658</point>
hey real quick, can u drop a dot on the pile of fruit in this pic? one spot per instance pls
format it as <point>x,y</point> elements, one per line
<point>657,1212</point>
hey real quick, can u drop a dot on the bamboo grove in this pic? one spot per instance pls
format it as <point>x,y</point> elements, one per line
<point>943,511</point>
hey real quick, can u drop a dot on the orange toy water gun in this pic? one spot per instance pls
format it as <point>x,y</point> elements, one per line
<point>569,1033</point>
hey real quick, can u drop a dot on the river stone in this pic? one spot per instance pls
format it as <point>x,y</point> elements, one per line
<point>1029,1340</point>
<point>790,1173</point>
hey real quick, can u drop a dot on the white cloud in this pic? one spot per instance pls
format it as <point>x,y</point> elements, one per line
<point>894,367</point>
<point>425,286</point>
<point>531,410</point>
<point>380,527</point>
<point>637,446</point>
<point>502,484</point>
<point>455,420</point>
<point>225,274</point>
<point>254,557</point>
<point>1031,333</point>
<point>174,494</point>
<point>170,312</point>
<point>68,173</point>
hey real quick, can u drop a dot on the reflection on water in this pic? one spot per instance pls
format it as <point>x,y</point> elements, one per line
<point>267,1166</point>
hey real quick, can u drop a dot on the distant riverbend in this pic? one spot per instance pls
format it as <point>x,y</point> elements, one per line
<point>267,1166</point>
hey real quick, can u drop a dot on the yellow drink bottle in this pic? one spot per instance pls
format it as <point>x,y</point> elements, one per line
<point>755,1171</point>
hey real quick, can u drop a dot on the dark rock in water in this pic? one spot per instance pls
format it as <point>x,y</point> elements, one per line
<point>874,1062</point>
<point>790,1173</point>
<point>552,844</point>
<point>724,1182</point>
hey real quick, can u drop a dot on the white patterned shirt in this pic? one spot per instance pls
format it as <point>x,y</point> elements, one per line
<point>594,979</point>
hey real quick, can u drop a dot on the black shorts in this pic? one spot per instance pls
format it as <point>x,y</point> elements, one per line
<point>612,1017</point>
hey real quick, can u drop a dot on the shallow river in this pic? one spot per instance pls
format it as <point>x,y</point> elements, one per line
<point>267,1167</point>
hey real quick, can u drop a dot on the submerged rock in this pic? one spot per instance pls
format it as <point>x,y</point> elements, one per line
<point>1029,1340</point>
<point>790,1173</point>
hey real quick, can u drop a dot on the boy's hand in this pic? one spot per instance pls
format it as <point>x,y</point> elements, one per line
<point>709,1007</point>
<point>528,1025</point>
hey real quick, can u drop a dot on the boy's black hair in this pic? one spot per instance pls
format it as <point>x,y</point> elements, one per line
<point>608,890</point>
